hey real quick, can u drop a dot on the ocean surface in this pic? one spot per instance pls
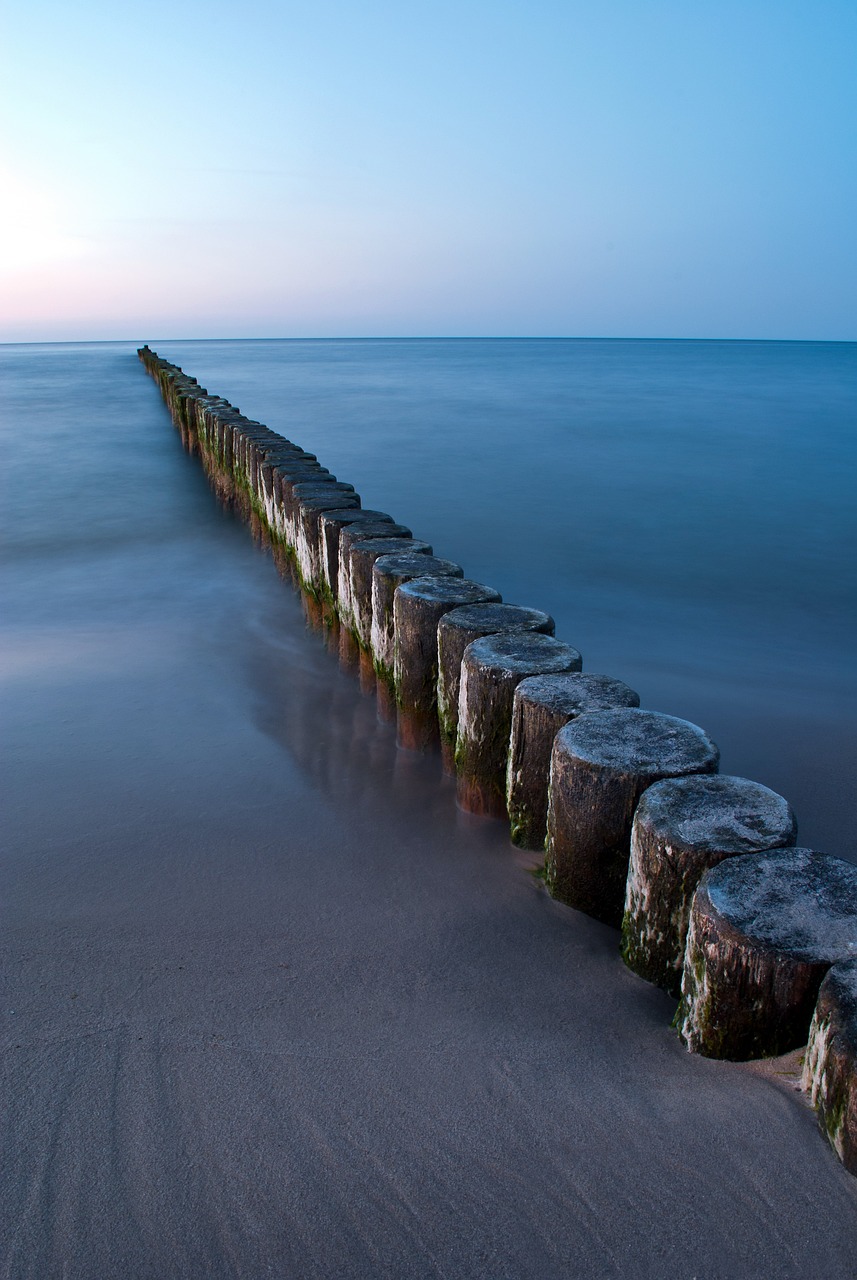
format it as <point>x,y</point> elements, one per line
<point>270,1004</point>
<point>685,510</point>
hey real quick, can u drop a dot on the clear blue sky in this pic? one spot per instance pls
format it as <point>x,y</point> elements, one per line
<point>479,167</point>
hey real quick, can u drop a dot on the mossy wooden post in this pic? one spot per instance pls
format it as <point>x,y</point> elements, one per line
<point>286,473</point>
<point>389,572</point>
<point>830,1064</point>
<point>276,462</point>
<point>290,476</point>
<point>361,561</point>
<point>349,535</point>
<point>601,764</point>
<point>307,500</point>
<point>491,670</point>
<point>330,526</point>
<point>542,705</point>
<point>764,930</point>
<point>418,607</point>
<point>456,630</point>
<point>682,827</point>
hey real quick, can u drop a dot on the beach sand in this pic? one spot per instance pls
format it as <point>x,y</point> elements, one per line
<point>272,1005</point>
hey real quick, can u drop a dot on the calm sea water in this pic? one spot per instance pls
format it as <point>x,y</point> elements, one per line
<point>685,510</point>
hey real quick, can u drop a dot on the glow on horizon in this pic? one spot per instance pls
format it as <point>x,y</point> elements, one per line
<point>372,169</point>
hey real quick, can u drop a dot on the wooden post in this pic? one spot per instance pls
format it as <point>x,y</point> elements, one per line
<point>310,501</point>
<point>682,827</point>
<point>418,607</point>
<point>389,572</point>
<point>361,561</point>
<point>764,930</point>
<point>491,669</point>
<point>457,629</point>
<point>330,525</point>
<point>360,532</point>
<point>830,1064</point>
<point>542,705</point>
<point>600,766</point>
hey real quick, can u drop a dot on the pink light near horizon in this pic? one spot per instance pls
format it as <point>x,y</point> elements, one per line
<point>485,169</point>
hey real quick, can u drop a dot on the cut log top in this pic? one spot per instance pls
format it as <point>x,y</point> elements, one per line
<point>319,488</point>
<point>572,693</point>
<point>638,742</point>
<point>338,499</point>
<point>411,563</point>
<point>358,516</point>
<point>361,530</point>
<point>795,901</point>
<point>445,590</point>
<point>301,472</point>
<point>486,619</point>
<point>520,653</point>
<point>715,813</point>
<point>369,547</point>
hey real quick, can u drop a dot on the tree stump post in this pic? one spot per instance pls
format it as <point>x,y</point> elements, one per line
<point>330,526</point>
<point>830,1065</point>
<point>286,474</point>
<point>418,607</point>
<point>307,501</point>
<point>601,764</point>
<point>348,536</point>
<point>764,930</point>
<point>361,561</point>
<point>542,706</point>
<point>491,669</point>
<point>682,827</point>
<point>456,630</point>
<point>389,572</point>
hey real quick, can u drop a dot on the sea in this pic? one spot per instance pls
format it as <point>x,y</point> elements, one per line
<point>270,1002</point>
<point>684,509</point>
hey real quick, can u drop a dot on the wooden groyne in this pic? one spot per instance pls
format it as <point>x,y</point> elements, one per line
<point>715,902</point>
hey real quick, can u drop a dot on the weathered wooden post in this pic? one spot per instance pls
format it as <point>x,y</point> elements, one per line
<point>310,501</point>
<point>456,630</point>
<point>277,464</point>
<point>361,561</point>
<point>601,764</point>
<point>360,532</point>
<point>311,487</point>
<point>682,827</point>
<point>830,1064</point>
<point>764,930</point>
<point>418,607</point>
<point>285,474</point>
<point>542,705</point>
<point>330,526</point>
<point>389,572</point>
<point>491,669</point>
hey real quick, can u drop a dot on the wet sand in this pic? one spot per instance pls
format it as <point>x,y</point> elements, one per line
<point>272,1006</point>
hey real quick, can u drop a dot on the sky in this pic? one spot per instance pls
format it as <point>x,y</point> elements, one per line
<point>619,168</point>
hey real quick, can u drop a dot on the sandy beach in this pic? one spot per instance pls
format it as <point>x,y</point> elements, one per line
<point>271,1005</point>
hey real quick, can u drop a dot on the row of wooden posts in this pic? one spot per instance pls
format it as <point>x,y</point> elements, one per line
<point>639,828</point>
